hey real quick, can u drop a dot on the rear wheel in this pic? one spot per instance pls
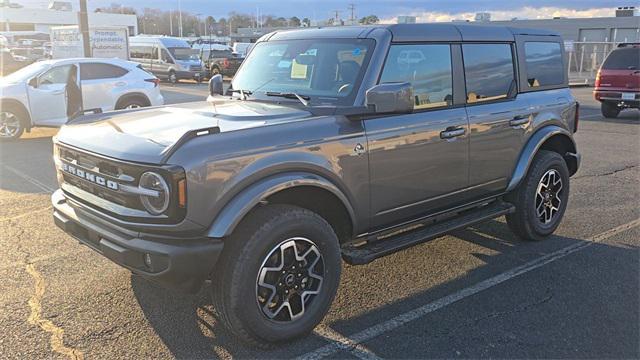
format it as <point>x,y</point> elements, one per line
<point>609,110</point>
<point>541,199</point>
<point>278,275</point>
<point>11,123</point>
<point>131,103</point>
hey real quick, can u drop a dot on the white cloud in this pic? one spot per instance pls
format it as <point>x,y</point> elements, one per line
<point>524,13</point>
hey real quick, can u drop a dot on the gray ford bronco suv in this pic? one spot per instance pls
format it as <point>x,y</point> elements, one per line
<point>345,143</point>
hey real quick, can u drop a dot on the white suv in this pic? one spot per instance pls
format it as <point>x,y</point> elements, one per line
<point>50,93</point>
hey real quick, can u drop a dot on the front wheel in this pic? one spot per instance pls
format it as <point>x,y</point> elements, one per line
<point>173,78</point>
<point>278,275</point>
<point>11,125</point>
<point>609,110</point>
<point>541,199</point>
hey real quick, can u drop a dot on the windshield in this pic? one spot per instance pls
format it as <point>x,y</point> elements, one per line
<point>184,53</point>
<point>325,70</point>
<point>26,73</point>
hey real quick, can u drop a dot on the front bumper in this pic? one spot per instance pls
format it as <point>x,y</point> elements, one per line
<point>175,263</point>
<point>190,75</point>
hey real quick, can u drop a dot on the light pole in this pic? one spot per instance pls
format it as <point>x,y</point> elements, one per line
<point>180,18</point>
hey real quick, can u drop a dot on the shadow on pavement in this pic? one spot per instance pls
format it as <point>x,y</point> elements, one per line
<point>188,325</point>
<point>31,156</point>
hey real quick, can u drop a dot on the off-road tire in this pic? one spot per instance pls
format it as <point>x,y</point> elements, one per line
<point>609,110</point>
<point>234,278</point>
<point>525,222</point>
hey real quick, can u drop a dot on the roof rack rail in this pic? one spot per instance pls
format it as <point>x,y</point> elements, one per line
<point>628,44</point>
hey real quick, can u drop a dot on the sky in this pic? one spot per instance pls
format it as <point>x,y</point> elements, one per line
<point>386,10</point>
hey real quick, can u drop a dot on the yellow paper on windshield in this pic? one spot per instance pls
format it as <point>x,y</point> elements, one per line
<point>298,71</point>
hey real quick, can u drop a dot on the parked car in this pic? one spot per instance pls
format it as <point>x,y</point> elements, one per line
<point>219,59</point>
<point>617,84</point>
<point>10,62</point>
<point>242,49</point>
<point>166,57</point>
<point>331,147</point>
<point>51,92</point>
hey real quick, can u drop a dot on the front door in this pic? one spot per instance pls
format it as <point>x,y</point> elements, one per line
<point>498,117</point>
<point>48,96</point>
<point>418,161</point>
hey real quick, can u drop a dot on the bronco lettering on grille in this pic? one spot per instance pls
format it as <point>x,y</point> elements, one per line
<point>91,177</point>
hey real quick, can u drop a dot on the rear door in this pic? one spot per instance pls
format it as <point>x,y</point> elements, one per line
<point>419,161</point>
<point>100,83</point>
<point>498,118</point>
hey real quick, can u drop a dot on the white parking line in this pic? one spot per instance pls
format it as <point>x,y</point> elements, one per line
<point>344,343</point>
<point>402,319</point>
<point>31,180</point>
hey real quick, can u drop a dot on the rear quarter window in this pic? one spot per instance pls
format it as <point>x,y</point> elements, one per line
<point>93,71</point>
<point>623,59</point>
<point>544,63</point>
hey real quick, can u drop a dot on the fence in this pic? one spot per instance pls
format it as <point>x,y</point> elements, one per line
<point>585,58</point>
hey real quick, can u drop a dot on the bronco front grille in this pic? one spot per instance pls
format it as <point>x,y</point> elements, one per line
<point>101,183</point>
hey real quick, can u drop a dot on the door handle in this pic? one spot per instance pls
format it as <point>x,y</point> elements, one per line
<point>452,132</point>
<point>519,120</point>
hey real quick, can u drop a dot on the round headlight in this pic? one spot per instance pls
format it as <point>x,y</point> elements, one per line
<point>158,202</point>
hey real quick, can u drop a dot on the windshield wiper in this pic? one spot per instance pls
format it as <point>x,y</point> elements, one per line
<point>304,99</point>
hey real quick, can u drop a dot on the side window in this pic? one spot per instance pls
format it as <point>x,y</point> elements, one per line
<point>154,53</point>
<point>56,75</point>
<point>544,63</point>
<point>427,68</point>
<point>93,71</point>
<point>489,71</point>
<point>164,55</point>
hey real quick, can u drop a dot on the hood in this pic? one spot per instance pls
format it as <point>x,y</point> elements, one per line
<point>146,135</point>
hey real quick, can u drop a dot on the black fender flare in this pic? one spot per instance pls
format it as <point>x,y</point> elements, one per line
<point>531,148</point>
<point>239,206</point>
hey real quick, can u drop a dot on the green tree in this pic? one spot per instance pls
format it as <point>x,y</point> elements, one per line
<point>369,19</point>
<point>294,21</point>
<point>306,22</point>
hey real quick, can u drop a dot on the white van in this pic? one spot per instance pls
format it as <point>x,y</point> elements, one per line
<point>166,57</point>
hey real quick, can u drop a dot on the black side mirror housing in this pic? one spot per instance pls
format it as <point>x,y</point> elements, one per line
<point>215,85</point>
<point>390,98</point>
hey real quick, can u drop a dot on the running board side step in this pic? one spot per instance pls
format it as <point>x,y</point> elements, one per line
<point>371,250</point>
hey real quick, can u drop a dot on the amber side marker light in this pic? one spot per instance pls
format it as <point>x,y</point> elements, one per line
<point>182,193</point>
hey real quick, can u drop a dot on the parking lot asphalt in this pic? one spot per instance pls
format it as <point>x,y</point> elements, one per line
<point>479,292</point>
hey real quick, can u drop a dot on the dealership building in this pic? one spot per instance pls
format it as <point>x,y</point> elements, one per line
<point>42,19</point>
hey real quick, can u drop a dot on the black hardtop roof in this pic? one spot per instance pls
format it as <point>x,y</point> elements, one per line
<point>414,32</point>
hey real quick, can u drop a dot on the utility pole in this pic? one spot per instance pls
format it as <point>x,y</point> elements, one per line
<point>179,18</point>
<point>352,7</point>
<point>83,22</point>
<point>171,21</point>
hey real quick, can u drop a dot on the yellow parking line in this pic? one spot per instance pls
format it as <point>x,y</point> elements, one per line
<point>35,318</point>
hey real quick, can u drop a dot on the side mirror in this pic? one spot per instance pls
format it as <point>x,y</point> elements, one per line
<point>33,82</point>
<point>215,85</point>
<point>390,98</point>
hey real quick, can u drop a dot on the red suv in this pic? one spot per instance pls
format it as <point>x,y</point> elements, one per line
<point>618,80</point>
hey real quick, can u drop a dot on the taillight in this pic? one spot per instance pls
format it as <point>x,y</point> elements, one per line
<point>597,84</point>
<point>155,81</point>
<point>576,118</point>
<point>225,63</point>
